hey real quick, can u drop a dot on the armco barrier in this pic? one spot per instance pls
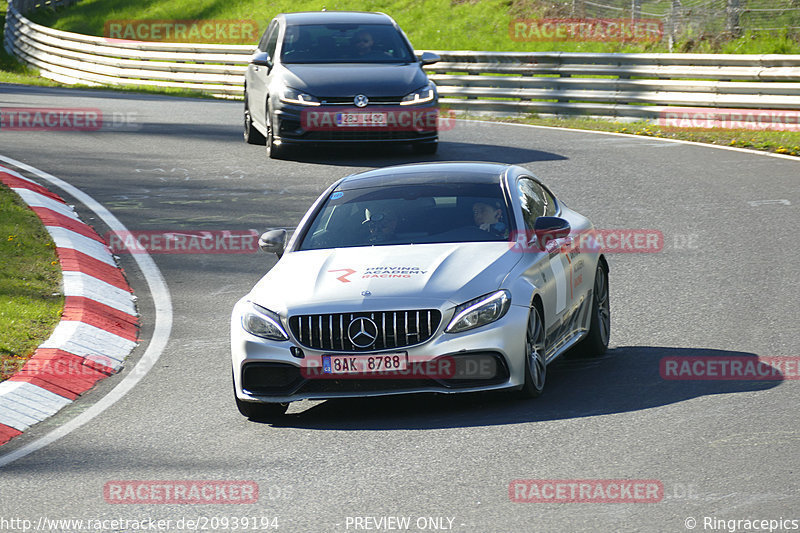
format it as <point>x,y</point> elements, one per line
<point>626,86</point>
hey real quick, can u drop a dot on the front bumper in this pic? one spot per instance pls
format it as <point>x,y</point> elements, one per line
<point>270,371</point>
<point>298,125</point>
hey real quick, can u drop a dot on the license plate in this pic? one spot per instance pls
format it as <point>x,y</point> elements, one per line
<point>364,364</point>
<point>361,119</point>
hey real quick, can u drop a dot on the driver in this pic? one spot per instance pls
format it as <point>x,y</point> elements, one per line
<point>382,226</point>
<point>489,217</point>
<point>364,45</point>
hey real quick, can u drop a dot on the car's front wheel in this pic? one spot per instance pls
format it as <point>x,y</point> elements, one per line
<point>274,151</point>
<point>266,412</point>
<point>535,365</point>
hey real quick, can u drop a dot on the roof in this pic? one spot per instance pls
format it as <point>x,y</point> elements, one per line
<point>336,17</point>
<point>422,173</point>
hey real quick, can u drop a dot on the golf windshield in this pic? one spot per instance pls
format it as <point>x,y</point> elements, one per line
<point>345,43</point>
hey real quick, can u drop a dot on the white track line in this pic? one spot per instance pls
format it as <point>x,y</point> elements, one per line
<point>163,321</point>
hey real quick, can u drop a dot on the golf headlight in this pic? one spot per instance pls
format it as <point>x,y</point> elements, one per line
<point>262,322</point>
<point>293,96</point>
<point>480,311</point>
<point>420,96</point>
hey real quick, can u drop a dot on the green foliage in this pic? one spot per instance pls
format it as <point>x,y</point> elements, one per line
<point>431,24</point>
<point>30,279</point>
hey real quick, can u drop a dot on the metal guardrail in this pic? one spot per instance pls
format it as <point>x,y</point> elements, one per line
<point>625,86</point>
<point>615,85</point>
<point>73,58</point>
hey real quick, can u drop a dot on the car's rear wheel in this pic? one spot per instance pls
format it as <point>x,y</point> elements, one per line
<point>251,134</point>
<point>274,151</point>
<point>535,365</point>
<point>596,341</point>
<point>425,148</point>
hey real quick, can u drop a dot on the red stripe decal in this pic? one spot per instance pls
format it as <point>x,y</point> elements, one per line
<point>7,433</point>
<point>88,311</point>
<point>52,218</point>
<point>74,261</point>
<point>45,384</point>
<point>63,373</point>
<point>64,370</point>
<point>17,183</point>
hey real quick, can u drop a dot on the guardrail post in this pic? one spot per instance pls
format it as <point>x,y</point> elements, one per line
<point>636,9</point>
<point>673,21</point>
<point>733,10</point>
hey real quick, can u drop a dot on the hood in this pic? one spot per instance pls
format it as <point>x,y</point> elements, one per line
<point>349,79</point>
<point>396,277</point>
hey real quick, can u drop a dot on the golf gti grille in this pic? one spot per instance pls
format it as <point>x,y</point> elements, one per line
<point>392,329</point>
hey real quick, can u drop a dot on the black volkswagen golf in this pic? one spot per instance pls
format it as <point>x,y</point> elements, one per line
<point>338,77</point>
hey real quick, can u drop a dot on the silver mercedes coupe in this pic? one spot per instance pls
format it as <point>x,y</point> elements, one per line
<point>433,277</point>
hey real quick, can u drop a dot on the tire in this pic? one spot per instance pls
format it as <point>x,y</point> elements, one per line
<point>274,151</point>
<point>425,148</point>
<point>266,412</point>
<point>251,134</point>
<point>595,343</point>
<point>535,365</point>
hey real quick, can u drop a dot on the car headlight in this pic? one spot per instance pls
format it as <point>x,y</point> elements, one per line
<point>480,311</point>
<point>293,96</point>
<point>262,322</point>
<point>420,96</point>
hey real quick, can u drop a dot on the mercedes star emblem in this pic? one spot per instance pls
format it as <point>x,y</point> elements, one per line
<point>362,332</point>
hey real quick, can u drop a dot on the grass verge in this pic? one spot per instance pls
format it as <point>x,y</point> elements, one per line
<point>30,283</point>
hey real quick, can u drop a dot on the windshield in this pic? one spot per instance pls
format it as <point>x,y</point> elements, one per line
<point>410,214</point>
<point>345,43</point>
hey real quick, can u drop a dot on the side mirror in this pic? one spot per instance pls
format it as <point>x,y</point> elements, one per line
<point>261,59</point>
<point>548,229</point>
<point>273,241</point>
<point>429,58</point>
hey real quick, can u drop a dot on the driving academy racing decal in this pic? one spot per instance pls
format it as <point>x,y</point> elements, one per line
<point>380,272</point>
